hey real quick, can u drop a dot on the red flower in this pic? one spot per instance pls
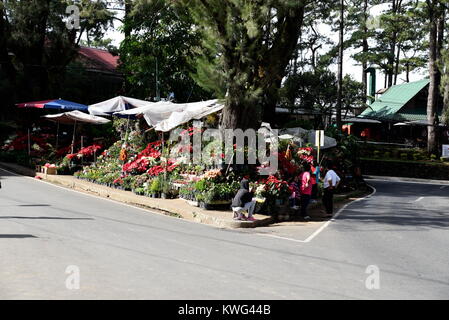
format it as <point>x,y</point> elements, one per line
<point>89,151</point>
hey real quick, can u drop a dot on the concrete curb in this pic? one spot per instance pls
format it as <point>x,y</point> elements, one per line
<point>174,207</point>
<point>405,179</point>
<point>24,171</point>
<point>167,206</point>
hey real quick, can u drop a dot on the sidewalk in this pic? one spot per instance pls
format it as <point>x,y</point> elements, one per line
<point>177,207</point>
<point>173,207</point>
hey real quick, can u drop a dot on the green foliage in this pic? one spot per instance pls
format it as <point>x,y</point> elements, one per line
<point>317,91</point>
<point>247,45</point>
<point>156,185</point>
<point>160,46</point>
<point>34,33</point>
<point>305,124</point>
<point>202,185</point>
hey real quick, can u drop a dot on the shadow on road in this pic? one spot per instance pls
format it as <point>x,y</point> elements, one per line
<point>382,214</point>
<point>33,205</point>
<point>16,236</point>
<point>44,218</point>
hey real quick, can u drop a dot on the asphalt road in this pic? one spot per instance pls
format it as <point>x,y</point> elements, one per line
<point>123,252</point>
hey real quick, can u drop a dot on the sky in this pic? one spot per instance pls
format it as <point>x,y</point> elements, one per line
<point>350,66</point>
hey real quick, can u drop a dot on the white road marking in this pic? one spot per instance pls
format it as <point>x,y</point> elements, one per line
<point>279,237</point>
<point>419,199</point>
<point>442,187</point>
<point>317,232</point>
<point>324,226</point>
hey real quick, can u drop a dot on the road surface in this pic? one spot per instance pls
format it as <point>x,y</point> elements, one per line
<point>392,245</point>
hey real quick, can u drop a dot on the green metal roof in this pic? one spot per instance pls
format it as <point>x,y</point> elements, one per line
<point>387,106</point>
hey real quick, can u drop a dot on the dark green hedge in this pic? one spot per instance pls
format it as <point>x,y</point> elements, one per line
<point>409,169</point>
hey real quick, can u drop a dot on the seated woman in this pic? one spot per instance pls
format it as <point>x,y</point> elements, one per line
<point>243,201</point>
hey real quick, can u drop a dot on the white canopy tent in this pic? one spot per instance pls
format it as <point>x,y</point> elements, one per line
<point>181,113</point>
<point>73,117</point>
<point>165,115</point>
<point>152,107</point>
<point>117,104</point>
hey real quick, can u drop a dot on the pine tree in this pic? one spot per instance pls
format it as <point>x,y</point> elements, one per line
<point>254,41</point>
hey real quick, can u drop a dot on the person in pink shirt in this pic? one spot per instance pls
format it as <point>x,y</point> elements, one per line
<point>306,191</point>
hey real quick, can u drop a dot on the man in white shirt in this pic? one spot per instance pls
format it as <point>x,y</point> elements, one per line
<point>331,181</point>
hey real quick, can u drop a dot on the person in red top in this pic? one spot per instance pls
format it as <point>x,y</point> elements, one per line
<point>313,173</point>
<point>306,190</point>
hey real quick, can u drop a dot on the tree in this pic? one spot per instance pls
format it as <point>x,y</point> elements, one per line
<point>435,13</point>
<point>361,25</point>
<point>36,44</point>
<point>254,41</point>
<point>159,50</point>
<point>318,90</point>
<point>341,30</point>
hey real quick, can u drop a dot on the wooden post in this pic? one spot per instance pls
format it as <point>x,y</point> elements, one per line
<point>29,142</point>
<point>57,135</point>
<point>73,138</point>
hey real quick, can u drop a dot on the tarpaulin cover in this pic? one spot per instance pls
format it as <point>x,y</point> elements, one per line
<point>177,114</point>
<point>116,104</point>
<point>58,104</point>
<point>75,116</point>
<point>165,115</point>
<point>155,107</point>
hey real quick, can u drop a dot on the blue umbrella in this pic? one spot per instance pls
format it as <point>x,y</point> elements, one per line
<point>58,104</point>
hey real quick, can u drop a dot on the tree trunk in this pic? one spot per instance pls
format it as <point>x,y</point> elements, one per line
<point>239,112</point>
<point>365,49</point>
<point>433,88</point>
<point>407,72</point>
<point>396,69</point>
<point>445,112</point>
<point>340,66</point>
<point>5,60</point>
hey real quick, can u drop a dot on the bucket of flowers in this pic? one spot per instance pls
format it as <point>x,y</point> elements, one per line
<point>275,193</point>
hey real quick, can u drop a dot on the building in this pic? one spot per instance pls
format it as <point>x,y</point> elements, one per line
<point>401,103</point>
<point>402,112</point>
<point>93,76</point>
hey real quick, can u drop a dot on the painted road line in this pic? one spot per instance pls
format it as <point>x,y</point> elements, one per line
<point>317,232</point>
<point>324,226</point>
<point>442,187</point>
<point>279,237</point>
<point>419,199</point>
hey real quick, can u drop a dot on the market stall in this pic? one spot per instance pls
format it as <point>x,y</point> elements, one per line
<point>74,117</point>
<point>117,104</point>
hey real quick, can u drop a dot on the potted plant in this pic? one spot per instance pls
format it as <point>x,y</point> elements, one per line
<point>165,189</point>
<point>155,187</point>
